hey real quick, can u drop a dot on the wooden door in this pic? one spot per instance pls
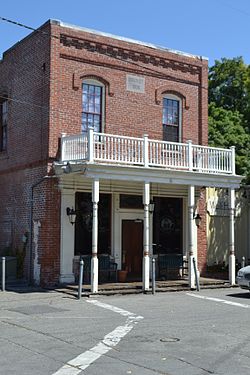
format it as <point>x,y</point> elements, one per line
<point>132,247</point>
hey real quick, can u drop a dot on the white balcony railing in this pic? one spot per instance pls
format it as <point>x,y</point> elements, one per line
<point>116,149</point>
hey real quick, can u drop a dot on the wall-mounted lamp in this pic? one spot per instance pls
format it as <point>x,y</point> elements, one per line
<point>151,207</point>
<point>197,219</point>
<point>71,213</point>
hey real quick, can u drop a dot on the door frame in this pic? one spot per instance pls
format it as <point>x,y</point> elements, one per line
<point>128,214</point>
<point>138,224</point>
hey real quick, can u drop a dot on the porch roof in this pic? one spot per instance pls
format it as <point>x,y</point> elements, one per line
<point>141,174</point>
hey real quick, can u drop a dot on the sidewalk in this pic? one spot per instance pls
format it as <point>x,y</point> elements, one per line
<point>136,287</point>
<point>109,289</point>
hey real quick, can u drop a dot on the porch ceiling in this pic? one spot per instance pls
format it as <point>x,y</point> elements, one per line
<point>140,174</point>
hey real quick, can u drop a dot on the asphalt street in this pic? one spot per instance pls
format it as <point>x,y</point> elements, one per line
<point>180,333</point>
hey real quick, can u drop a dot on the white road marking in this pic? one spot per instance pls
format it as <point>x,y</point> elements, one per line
<point>82,361</point>
<point>220,300</point>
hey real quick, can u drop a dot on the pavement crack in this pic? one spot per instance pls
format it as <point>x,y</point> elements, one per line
<point>136,364</point>
<point>191,364</point>
<point>36,331</point>
<point>31,350</point>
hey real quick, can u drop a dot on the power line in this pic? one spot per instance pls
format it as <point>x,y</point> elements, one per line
<point>160,74</point>
<point>234,8</point>
<point>28,27</point>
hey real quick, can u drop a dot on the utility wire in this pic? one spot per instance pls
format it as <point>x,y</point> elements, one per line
<point>234,8</point>
<point>160,74</point>
<point>28,27</point>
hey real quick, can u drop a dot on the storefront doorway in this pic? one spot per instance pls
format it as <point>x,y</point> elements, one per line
<point>132,248</point>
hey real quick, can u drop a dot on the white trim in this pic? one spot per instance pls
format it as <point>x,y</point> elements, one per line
<point>127,215</point>
<point>178,99</point>
<point>164,176</point>
<point>219,300</point>
<point>129,40</point>
<point>185,228</point>
<point>96,82</point>
<point>67,238</point>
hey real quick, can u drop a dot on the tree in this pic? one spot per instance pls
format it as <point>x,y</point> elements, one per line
<point>226,130</point>
<point>229,85</point>
<point>229,109</point>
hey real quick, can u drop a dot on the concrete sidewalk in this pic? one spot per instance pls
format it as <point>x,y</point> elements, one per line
<point>109,289</point>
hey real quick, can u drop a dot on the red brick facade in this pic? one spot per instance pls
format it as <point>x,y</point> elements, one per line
<point>42,77</point>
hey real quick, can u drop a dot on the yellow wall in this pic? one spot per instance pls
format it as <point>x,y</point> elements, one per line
<point>218,226</point>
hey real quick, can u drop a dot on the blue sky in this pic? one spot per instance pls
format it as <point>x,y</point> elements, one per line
<point>211,28</point>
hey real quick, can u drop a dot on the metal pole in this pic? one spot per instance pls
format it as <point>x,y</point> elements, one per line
<point>80,279</point>
<point>196,276</point>
<point>153,275</point>
<point>3,274</point>
<point>243,262</point>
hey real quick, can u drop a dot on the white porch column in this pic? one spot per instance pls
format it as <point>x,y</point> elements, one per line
<point>94,259</point>
<point>67,239</point>
<point>231,237</point>
<point>191,203</point>
<point>146,200</point>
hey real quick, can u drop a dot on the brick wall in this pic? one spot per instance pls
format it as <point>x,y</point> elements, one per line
<point>25,80</point>
<point>81,54</point>
<point>42,77</point>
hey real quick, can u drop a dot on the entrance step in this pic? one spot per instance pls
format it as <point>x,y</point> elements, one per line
<point>111,289</point>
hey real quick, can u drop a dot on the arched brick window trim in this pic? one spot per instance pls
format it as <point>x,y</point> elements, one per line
<point>170,89</point>
<point>79,78</point>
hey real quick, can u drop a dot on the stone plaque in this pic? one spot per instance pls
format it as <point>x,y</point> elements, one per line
<point>135,83</point>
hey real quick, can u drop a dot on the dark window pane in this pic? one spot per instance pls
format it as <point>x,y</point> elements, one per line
<point>170,133</point>
<point>170,120</point>
<point>83,225</point>
<point>131,201</point>
<point>167,225</point>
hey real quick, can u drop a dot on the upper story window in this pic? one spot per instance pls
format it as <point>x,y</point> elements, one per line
<point>3,124</point>
<point>171,118</point>
<point>92,105</point>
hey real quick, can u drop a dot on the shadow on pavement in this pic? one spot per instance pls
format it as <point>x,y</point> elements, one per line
<point>245,295</point>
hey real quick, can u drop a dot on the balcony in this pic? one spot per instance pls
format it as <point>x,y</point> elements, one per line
<point>143,152</point>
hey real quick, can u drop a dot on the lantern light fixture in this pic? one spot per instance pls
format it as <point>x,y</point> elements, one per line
<point>71,213</point>
<point>197,219</point>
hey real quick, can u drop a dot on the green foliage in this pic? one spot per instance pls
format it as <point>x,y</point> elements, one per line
<point>226,130</point>
<point>229,109</point>
<point>228,84</point>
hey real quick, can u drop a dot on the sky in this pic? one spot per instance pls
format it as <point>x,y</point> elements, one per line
<point>210,28</point>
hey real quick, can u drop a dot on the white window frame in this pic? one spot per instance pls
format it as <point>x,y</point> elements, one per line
<point>95,82</point>
<point>177,98</point>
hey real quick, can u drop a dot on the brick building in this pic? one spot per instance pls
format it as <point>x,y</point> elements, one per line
<point>94,129</point>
